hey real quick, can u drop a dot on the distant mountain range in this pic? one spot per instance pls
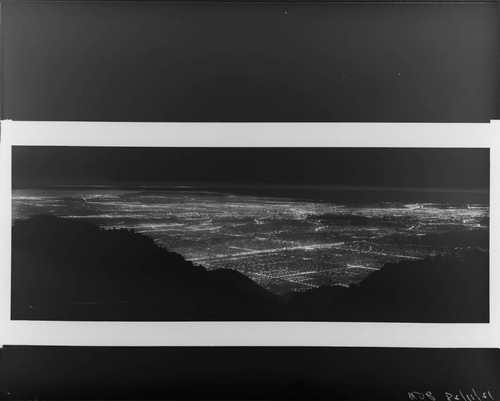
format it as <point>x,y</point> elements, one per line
<point>71,270</point>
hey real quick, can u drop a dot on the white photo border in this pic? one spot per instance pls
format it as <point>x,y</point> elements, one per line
<point>66,333</point>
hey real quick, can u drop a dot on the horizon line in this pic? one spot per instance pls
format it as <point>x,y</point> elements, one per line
<point>262,186</point>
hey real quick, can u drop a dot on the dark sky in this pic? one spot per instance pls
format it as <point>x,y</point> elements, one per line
<point>445,169</point>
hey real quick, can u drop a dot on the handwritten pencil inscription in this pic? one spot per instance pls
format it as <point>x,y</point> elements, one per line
<point>471,395</point>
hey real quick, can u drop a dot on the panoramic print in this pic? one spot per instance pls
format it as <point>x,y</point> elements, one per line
<point>252,234</point>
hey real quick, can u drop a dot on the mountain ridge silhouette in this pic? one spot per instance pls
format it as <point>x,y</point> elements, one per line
<point>64,269</point>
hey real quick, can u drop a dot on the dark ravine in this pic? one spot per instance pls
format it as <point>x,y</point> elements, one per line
<point>71,270</point>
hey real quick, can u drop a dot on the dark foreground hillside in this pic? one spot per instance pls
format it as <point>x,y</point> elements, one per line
<point>71,270</point>
<point>434,290</point>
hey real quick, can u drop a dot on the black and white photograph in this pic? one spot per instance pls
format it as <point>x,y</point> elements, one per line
<point>250,200</point>
<point>333,234</point>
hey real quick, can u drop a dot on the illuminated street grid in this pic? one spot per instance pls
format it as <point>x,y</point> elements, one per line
<point>282,244</point>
